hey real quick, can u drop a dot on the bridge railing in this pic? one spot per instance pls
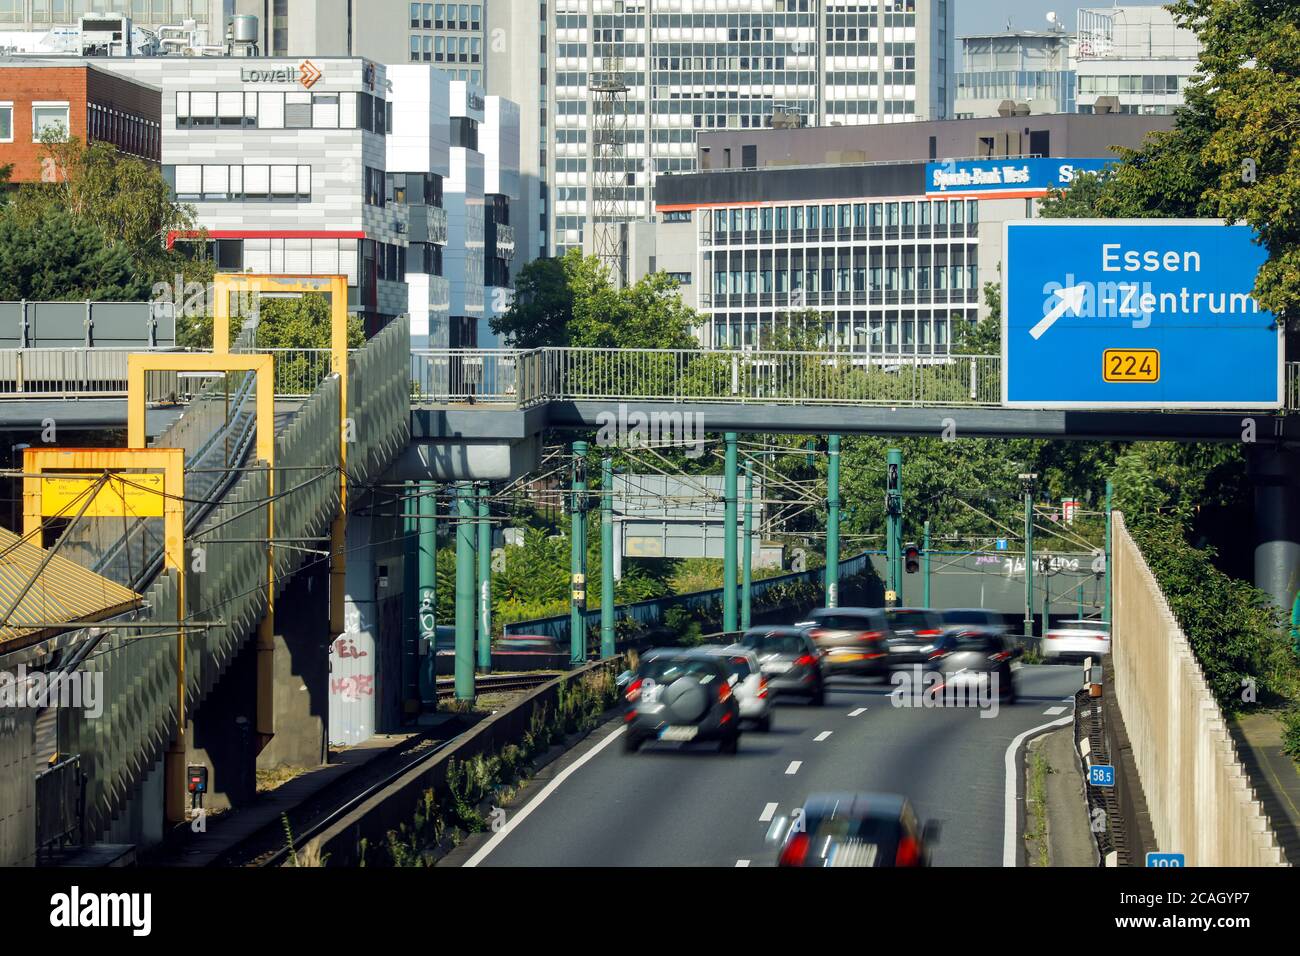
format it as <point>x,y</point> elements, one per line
<point>71,373</point>
<point>524,377</point>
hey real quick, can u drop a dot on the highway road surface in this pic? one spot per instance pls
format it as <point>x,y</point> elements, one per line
<point>688,805</point>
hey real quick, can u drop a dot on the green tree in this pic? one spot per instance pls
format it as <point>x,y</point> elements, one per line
<point>573,301</point>
<point>985,336</point>
<point>301,323</point>
<point>56,257</point>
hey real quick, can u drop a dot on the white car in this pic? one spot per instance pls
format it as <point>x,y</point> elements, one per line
<point>747,683</point>
<point>1077,639</point>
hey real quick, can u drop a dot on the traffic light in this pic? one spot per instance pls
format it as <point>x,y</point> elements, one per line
<point>911,559</point>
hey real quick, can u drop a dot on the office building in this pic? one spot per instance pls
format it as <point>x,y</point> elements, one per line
<point>1016,72</point>
<point>1133,59</point>
<point>92,104</point>
<point>874,229</point>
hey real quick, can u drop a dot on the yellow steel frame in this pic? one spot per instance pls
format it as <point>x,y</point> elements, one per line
<point>171,463</point>
<point>336,287</point>
<point>263,367</point>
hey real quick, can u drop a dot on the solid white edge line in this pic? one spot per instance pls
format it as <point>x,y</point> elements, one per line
<point>533,804</point>
<point>823,735</point>
<point>794,767</point>
<point>1010,836</point>
<point>769,811</point>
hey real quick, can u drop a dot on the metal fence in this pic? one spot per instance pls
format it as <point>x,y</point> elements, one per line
<point>651,613</point>
<point>527,377</point>
<point>74,373</point>
<point>60,790</point>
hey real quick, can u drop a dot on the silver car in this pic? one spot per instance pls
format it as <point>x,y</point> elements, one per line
<point>748,683</point>
<point>1077,639</point>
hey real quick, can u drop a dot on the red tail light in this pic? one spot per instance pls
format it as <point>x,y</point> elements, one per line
<point>816,633</point>
<point>796,850</point>
<point>929,632</point>
<point>762,687</point>
<point>870,636</point>
<point>1001,656</point>
<point>724,692</point>
<point>909,853</point>
<point>806,661</point>
<point>633,691</point>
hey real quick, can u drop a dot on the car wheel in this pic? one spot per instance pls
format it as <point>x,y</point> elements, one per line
<point>631,743</point>
<point>730,745</point>
<point>765,725</point>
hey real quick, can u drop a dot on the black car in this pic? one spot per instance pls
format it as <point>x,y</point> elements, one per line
<point>790,660</point>
<point>913,635</point>
<point>979,654</point>
<point>679,697</point>
<point>852,639</point>
<point>857,829</point>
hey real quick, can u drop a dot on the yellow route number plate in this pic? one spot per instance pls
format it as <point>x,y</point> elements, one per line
<point>1130,365</point>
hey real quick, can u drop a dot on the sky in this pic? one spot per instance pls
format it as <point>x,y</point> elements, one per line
<point>978,16</point>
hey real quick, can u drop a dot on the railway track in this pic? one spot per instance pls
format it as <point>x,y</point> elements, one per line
<point>496,683</point>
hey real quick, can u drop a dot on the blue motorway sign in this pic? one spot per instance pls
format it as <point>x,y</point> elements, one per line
<point>1101,775</point>
<point>1132,313</point>
<point>1166,859</point>
<point>993,178</point>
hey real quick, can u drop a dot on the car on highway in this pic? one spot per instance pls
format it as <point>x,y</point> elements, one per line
<point>856,829</point>
<point>913,635</point>
<point>527,644</point>
<point>852,639</point>
<point>956,618</point>
<point>748,682</point>
<point>1076,639</point>
<point>679,696</point>
<point>790,660</point>
<point>973,655</point>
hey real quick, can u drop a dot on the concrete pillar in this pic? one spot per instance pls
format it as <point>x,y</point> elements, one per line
<point>1275,475</point>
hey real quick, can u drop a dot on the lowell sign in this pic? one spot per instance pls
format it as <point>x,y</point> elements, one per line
<point>306,73</point>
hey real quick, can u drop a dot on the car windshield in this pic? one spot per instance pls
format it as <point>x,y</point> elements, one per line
<point>844,622</point>
<point>665,670</point>
<point>965,617</point>
<point>854,835</point>
<point>775,643</point>
<point>737,665</point>
<point>1100,627</point>
<point>907,619</point>
<point>973,641</point>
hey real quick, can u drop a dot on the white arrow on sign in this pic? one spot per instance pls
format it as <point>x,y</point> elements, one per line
<point>1071,301</point>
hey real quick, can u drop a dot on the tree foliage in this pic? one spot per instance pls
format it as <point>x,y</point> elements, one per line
<point>56,257</point>
<point>573,301</point>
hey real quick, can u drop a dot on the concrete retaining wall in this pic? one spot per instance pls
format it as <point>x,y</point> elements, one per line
<point>1199,796</point>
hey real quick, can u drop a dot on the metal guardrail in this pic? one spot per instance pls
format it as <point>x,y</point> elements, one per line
<point>59,797</point>
<point>523,378</point>
<point>74,373</point>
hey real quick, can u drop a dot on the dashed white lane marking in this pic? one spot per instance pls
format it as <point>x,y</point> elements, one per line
<point>858,712</point>
<point>793,768</point>
<point>823,735</point>
<point>1053,711</point>
<point>742,863</point>
<point>769,811</point>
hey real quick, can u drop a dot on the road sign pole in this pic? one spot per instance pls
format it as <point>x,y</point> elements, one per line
<point>925,559</point>
<point>729,535</point>
<point>1028,483</point>
<point>484,580</point>
<point>1047,600</point>
<point>1079,617</point>
<point>894,523</point>
<point>607,558</point>
<point>1110,490</point>
<point>578,559</point>
<point>833,522</point>
<point>464,591</point>
<point>747,555</point>
<point>428,576</point>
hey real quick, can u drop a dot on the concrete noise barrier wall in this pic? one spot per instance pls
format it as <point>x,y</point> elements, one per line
<point>1197,790</point>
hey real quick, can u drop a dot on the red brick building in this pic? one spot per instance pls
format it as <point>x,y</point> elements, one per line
<point>92,104</point>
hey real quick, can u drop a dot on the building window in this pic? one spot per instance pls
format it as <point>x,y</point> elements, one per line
<point>49,116</point>
<point>6,122</point>
<point>682,278</point>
